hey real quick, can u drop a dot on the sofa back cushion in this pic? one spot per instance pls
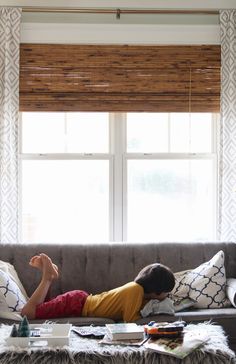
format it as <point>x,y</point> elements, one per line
<point>100,267</point>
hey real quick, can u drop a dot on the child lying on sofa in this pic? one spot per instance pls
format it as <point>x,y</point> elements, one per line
<point>154,281</point>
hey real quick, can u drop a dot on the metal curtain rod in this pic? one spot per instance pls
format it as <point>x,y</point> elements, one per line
<point>117,12</point>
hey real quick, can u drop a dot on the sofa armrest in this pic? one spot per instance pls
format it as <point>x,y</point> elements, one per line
<point>231,290</point>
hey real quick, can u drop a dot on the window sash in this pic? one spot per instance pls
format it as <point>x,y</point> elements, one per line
<point>118,159</point>
<point>170,157</point>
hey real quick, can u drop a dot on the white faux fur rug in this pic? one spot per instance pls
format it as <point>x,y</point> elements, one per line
<point>88,351</point>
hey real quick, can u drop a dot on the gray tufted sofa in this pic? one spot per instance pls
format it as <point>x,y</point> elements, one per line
<point>100,267</point>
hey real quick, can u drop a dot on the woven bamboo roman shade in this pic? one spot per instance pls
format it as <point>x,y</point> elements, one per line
<point>56,77</point>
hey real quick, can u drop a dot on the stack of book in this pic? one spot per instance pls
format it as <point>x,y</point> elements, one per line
<point>125,331</point>
<point>124,334</point>
<point>134,335</point>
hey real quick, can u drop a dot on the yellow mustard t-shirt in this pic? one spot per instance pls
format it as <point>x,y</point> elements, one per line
<point>122,303</point>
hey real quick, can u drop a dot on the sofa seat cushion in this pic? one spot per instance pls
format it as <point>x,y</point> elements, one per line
<point>206,314</point>
<point>76,321</point>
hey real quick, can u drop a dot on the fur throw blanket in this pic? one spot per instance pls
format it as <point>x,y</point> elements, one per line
<point>88,351</point>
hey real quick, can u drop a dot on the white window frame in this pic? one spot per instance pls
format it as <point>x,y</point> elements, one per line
<point>172,156</point>
<point>118,158</point>
<point>70,156</point>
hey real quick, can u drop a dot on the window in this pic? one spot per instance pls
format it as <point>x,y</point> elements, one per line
<point>95,177</point>
<point>170,176</point>
<point>65,177</point>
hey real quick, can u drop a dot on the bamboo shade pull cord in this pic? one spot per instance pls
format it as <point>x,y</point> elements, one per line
<point>189,105</point>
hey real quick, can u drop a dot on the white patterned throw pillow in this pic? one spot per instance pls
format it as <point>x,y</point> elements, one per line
<point>231,290</point>
<point>10,270</point>
<point>11,298</point>
<point>205,284</point>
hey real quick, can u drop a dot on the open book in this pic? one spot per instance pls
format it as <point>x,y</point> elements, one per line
<point>179,347</point>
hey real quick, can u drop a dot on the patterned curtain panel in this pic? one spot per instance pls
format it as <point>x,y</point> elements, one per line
<point>227,185</point>
<point>9,110</point>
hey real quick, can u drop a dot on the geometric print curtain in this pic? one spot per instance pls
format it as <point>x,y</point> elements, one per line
<point>227,160</point>
<point>9,116</point>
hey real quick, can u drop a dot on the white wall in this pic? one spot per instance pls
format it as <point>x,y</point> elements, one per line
<point>115,34</point>
<point>47,28</point>
<point>153,4</point>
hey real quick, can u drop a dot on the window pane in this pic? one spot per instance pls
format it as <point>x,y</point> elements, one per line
<point>42,132</point>
<point>170,200</point>
<point>87,132</point>
<point>65,201</point>
<point>50,132</point>
<point>169,132</point>
<point>147,132</point>
<point>180,133</point>
<point>201,132</point>
<point>190,133</point>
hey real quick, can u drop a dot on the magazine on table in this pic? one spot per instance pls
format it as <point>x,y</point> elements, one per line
<point>179,347</point>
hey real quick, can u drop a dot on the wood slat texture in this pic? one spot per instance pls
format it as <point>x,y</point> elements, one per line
<point>126,78</point>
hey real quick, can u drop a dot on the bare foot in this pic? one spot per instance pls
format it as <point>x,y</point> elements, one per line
<point>49,272</point>
<point>36,262</point>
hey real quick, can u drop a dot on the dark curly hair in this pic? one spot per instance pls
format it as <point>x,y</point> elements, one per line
<point>156,278</point>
